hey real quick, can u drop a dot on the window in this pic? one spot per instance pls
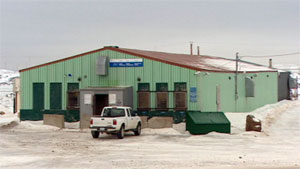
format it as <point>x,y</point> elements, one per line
<point>180,87</point>
<point>113,112</point>
<point>128,113</point>
<point>180,97</point>
<point>144,96</point>
<point>143,87</point>
<point>162,87</point>
<point>162,96</point>
<point>131,112</point>
<point>73,96</point>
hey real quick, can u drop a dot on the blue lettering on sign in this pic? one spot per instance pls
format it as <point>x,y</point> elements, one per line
<point>193,94</point>
<point>126,64</point>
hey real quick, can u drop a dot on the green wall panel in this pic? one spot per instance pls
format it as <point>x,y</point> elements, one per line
<point>265,91</point>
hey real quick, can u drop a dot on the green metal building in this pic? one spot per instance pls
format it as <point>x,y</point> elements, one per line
<point>158,81</point>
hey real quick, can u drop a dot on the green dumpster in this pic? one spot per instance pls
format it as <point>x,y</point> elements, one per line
<point>205,122</point>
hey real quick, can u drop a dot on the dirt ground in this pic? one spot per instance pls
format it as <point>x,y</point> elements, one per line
<point>33,145</point>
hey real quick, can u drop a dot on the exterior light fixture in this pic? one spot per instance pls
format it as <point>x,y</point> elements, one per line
<point>197,73</point>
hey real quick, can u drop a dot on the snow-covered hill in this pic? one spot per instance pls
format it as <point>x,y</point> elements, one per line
<point>6,90</point>
<point>6,76</point>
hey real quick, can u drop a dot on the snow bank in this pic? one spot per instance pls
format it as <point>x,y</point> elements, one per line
<point>12,121</point>
<point>270,113</point>
<point>180,127</point>
<point>6,98</point>
<point>5,109</point>
<point>35,125</point>
<point>72,125</point>
<point>163,131</point>
<point>6,76</point>
<point>8,120</point>
<point>6,90</point>
<point>267,114</point>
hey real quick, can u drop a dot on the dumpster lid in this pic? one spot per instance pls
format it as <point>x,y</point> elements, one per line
<point>209,117</point>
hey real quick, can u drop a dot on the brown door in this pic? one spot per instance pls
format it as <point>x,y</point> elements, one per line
<point>100,101</point>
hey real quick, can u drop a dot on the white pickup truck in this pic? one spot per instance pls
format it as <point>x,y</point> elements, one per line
<point>115,120</point>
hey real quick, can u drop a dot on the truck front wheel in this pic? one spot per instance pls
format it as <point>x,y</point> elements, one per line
<point>120,133</point>
<point>95,134</point>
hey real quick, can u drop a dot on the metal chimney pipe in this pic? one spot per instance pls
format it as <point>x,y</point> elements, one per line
<point>270,63</point>
<point>198,50</point>
<point>191,46</point>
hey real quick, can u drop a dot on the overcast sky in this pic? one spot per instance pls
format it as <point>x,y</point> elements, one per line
<point>34,32</point>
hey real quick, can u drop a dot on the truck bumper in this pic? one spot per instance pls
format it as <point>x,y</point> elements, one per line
<point>103,128</point>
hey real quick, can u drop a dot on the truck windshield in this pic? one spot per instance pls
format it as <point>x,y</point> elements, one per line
<point>113,112</point>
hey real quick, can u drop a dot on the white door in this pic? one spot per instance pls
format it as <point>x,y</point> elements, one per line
<point>134,118</point>
<point>130,119</point>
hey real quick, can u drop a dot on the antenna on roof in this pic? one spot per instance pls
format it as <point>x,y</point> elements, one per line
<point>191,47</point>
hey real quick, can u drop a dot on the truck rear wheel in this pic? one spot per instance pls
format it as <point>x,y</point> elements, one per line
<point>120,133</point>
<point>138,129</point>
<point>95,134</point>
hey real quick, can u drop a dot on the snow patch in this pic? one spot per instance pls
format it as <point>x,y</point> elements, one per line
<point>35,125</point>
<point>256,120</point>
<point>163,131</point>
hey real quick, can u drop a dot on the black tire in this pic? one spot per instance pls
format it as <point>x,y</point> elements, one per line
<point>138,129</point>
<point>121,132</point>
<point>95,134</point>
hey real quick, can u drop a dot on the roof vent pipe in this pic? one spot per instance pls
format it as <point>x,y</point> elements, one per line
<point>198,50</point>
<point>191,46</point>
<point>270,63</point>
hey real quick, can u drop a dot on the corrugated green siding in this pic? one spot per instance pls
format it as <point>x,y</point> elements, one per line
<point>152,72</point>
<point>265,91</point>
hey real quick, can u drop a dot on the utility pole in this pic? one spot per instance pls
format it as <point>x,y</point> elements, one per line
<point>236,74</point>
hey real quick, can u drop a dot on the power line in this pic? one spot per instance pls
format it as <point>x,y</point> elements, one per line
<point>289,69</point>
<point>264,56</point>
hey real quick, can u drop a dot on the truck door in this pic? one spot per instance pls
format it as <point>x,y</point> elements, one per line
<point>129,118</point>
<point>133,120</point>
